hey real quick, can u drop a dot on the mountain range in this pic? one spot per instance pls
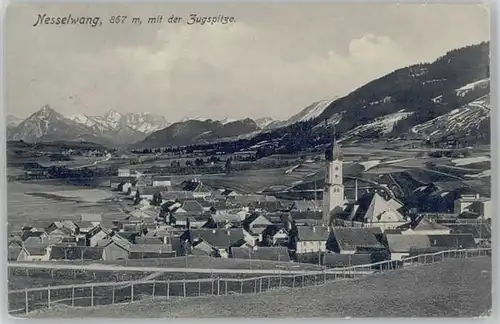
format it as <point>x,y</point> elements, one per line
<point>112,128</point>
<point>435,101</point>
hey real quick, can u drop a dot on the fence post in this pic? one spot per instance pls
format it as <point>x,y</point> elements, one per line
<point>132,292</point>
<point>225,281</point>
<point>218,286</point>
<point>113,301</point>
<point>26,299</point>
<point>255,286</point>
<point>168,289</point>
<point>268,283</point>
<point>48,296</point>
<point>324,277</point>
<point>260,285</point>
<point>92,296</point>
<point>280,279</point>
<point>241,287</point>
<point>154,288</point>
<point>94,275</point>
<point>73,296</point>
<point>184,287</point>
<point>199,288</point>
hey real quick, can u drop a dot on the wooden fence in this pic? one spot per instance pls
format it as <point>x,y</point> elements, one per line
<point>105,293</point>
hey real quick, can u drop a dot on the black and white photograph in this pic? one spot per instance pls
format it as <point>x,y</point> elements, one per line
<point>248,160</point>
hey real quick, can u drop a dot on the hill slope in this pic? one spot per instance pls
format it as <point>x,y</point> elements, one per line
<point>451,288</point>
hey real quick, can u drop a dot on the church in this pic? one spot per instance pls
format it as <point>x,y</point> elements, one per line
<point>371,210</point>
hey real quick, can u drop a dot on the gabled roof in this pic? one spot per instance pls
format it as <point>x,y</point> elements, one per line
<point>381,211</point>
<point>219,238</point>
<point>14,252</point>
<point>453,241</point>
<point>39,249</point>
<point>425,225</point>
<point>194,186</point>
<point>306,205</point>
<point>312,233</point>
<point>191,206</point>
<point>352,238</point>
<point>477,230</point>
<point>402,243</point>
<point>226,218</point>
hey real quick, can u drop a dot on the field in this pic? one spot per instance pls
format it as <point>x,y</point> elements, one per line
<point>29,204</point>
<point>457,287</point>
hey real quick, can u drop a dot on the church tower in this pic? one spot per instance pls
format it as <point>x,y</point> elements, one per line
<point>333,193</point>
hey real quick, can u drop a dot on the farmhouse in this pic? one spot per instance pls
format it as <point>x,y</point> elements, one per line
<point>161,181</point>
<point>349,240</point>
<point>311,239</point>
<point>144,251</point>
<point>215,242</point>
<point>400,245</point>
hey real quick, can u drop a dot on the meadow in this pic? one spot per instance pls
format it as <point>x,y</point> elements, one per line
<point>454,287</point>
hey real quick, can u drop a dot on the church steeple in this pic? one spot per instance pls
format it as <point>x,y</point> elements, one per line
<point>333,195</point>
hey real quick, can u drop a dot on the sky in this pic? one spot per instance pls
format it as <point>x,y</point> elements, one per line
<point>273,61</point>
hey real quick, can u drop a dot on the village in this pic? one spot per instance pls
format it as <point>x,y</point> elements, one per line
<point>163,220</point>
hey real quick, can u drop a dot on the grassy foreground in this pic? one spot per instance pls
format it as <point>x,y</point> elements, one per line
<point>446,289</point>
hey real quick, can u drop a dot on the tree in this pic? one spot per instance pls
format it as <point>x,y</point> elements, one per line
<point>156,199</point>
<point>137,197</point>
<point>227,167</point>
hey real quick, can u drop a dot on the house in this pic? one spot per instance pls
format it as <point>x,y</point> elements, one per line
<point>149,192</point>
<point>193,207</point>
<point>67,252</point>
<point>117,182</point>
<point>311,239</point>
<point>229,193</point>
<point>14,252</point>
<point>141,183</point>
<point>475,204</point>
<point>39,252</point>
<point>274,234</point>
<point>422,226</point>
<point>127,187</point>
<point>273,253</point>
<point>95,235</point>
<point>144,251</point>
<point>197,188</point>
<point>223,220</point>
<point>351,240</point>
<point>115,248</point>
<point>400,245</point>
<point>34,237</point>
<point>306,205</point>
<point>446,242</point>
<point>372,210</point>
<point>480,231</point>
<point>215,242</point>
<point>255,221</point>
<point>195,221</point>
<point>124,173</point>
<point>161,181</point>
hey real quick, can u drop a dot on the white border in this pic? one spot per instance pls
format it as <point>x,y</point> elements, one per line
<point>495,118</point>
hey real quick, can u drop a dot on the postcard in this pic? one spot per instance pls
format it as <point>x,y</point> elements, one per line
<point>248,160</point>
